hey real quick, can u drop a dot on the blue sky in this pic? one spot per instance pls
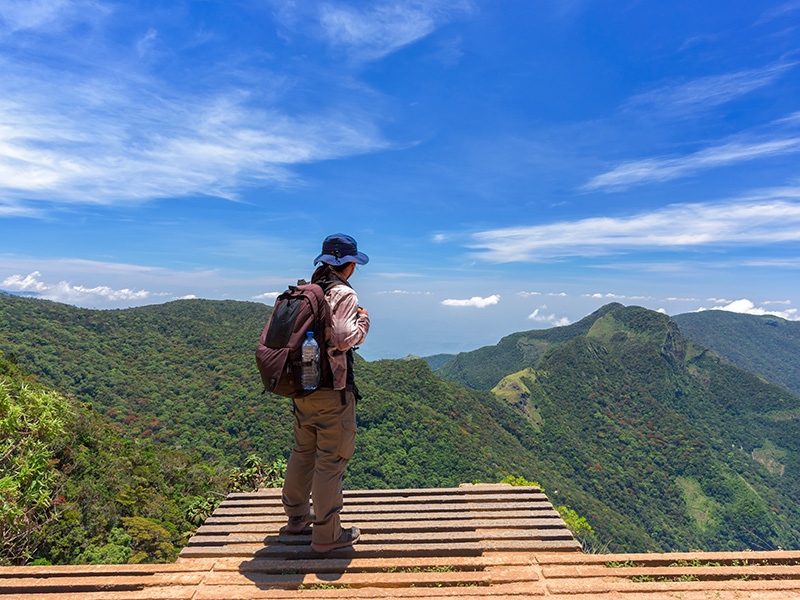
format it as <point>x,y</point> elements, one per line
<point>506,165</point>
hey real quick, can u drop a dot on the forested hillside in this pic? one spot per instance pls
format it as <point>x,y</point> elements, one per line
<point>75,491</point>
<point>635,414</point>
<point>180,373</point>
<point>765,345</point>
<point>650,437</point>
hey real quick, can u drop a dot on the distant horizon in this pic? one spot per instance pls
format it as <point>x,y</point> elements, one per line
<point>504,165</point>
<point>370,356</point>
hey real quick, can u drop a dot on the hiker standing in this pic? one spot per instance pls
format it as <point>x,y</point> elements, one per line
<point>325,421</point>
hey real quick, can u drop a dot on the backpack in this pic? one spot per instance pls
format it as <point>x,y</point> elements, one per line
<point>301,308</point>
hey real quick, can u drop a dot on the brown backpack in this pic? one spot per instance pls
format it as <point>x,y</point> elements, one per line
<point>299,309</point>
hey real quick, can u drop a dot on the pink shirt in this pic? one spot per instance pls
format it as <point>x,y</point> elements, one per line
<point>349,329</point>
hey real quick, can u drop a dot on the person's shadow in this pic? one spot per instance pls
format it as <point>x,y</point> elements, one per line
<point>286,561</point>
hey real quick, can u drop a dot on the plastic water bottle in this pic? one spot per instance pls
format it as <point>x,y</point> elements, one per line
<point>309,374</point>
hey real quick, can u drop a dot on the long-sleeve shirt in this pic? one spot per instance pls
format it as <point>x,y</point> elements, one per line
<point>349,328</point>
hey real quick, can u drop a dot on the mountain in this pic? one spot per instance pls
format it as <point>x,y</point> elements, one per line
<point>652,438</point>
<point>485,367</point>
<point>768,346</point>
<point>631,411</point>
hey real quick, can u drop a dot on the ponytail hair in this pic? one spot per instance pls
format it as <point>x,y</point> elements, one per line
<point>325,272</point>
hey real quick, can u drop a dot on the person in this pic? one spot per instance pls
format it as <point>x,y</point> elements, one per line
<point>325,420</point>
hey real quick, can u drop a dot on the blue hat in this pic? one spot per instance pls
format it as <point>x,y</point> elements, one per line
<point>338,249</point>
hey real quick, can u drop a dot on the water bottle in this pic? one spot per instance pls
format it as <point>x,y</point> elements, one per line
<point>309,374</point>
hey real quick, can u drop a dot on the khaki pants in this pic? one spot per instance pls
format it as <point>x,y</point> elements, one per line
<point>324,440</point>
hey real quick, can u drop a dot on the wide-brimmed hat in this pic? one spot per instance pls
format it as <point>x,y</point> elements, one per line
<point>338,249</point>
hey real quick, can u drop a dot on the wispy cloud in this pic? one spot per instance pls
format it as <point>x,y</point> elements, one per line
<point>779,11</point>
<point>474,302</point>
<point>771,218</point>
<point>693,97</point>
<point>653,170</point>
<point>100,125</point>
<point>372,31</point>
<point>397,275</point>
<point>774,263</point>
<point>32,15</point>
<point>67,150</point>
<point>375,31</point>
<point>369,31</point>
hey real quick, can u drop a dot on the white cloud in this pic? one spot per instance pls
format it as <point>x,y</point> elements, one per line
<point>64,291</point>
<point>187,297</point>
<point>528,294</point>
<point>551,318</point>
<point>29,283</point>
<point>611,296</point>
<point>267,296</point>
<point>745,306</point>
<point>402,293</point>
<point>766,219</point>
<point>475,301</point>
<point>651,170</point>
<point>68,292</point>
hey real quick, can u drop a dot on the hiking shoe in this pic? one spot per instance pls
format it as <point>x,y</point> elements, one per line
<point>298,525</point>
<point>347,538</point>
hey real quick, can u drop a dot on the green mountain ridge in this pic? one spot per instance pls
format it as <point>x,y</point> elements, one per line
<point>627,391</point>
<point>485,367</point>
<point>766,345</point>
<point>655,440</point>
